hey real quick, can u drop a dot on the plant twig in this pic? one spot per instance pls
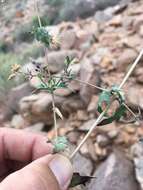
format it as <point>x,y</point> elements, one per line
<point>49,75</point>
<point>131,69</point>
<point>89,132</point>
<point>89,84</point>
<point>53,99</point>
<point>37,12</point>
<point>54,114</point>
<point>127,107</point>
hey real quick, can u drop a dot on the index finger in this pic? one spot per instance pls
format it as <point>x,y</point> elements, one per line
<point>22,146</point>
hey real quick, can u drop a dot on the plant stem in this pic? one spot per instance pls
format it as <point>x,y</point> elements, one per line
<point>131,69</point>
<point>127,107</point>
<point>89,132</point>
<point>89,84</point>
<point>37,12</point>
<point>53,98</point>
<point>86,83</point>
<point>54,114</point>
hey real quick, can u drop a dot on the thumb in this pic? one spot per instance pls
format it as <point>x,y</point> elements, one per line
<point>47,173</point>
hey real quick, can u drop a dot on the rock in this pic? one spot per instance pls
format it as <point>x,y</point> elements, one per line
<point>138,23</point>
<point>82,165</point>
<point>84,150</point>
<point>68,39</point>
<point>38,108</point>
<point>139,75</point>
<point>56,59</point>
<point>116,21</point>
<point>84,8</point>
<point>116,173</point>
<point>125,59</point>
<point>130,128</point>
<point>113,133</point>
<point>14,96</point>
<point>87,125</point>
<point>92,107</point>
<point>38,127</point>
<point>137,154</point>
<point>102,140</point>
<point>100,152</point>
<point>82,115</point>
<point>134,97</point>
<point>72,104</point>
<point>90,75</point>
<point>18,122</point>
<point>103,16</point>
<point>73,136</point>
<point>108,63</point>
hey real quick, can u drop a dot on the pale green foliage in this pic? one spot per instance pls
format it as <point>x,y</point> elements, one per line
<point>60,144</point>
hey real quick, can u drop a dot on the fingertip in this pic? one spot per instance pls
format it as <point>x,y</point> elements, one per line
<point>62,169</point>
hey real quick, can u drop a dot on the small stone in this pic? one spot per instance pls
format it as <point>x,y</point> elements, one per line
<point>102,140</point>
<point>137,155</point>
<point>107,63</point>
<point>141,31</point>
<point>92,107</point>
<point>82,165</point>
<point>82,115</point>
<point>73,136</point>
<point>134,97</point>
<point>131,129</point>
<point>84,149</point>
<point>113,133</point>
<point>87,125</point>
<point>88,74</point>
<point>139,75</point>
<point>116,21</point>
<point>125,58</point>
<point>100,152</point>
<point>107,128</point>
<point>68,39</point>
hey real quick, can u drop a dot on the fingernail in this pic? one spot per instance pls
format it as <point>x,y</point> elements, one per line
<point>62,169</point>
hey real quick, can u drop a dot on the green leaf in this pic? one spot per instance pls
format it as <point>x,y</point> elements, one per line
<point>60,144</point>
<point>42,86</point>
<point>115,117</point>
<point>43,36</point>
<point>77,179</point>
<point>62,85</point>
<point>105,97</point>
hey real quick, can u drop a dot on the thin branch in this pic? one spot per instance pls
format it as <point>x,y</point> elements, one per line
<point>37,12</point>
<point>53,98</point>
<point>89,132</point>
<point>131,69</point>
<point>86,83</point>
<point>89,84</point>
<point>54,114</point>
<point>127,107</point>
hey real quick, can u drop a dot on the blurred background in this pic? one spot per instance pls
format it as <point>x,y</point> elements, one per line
<point>105,36</point>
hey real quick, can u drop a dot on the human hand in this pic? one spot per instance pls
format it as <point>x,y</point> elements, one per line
<point>26,163</point>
